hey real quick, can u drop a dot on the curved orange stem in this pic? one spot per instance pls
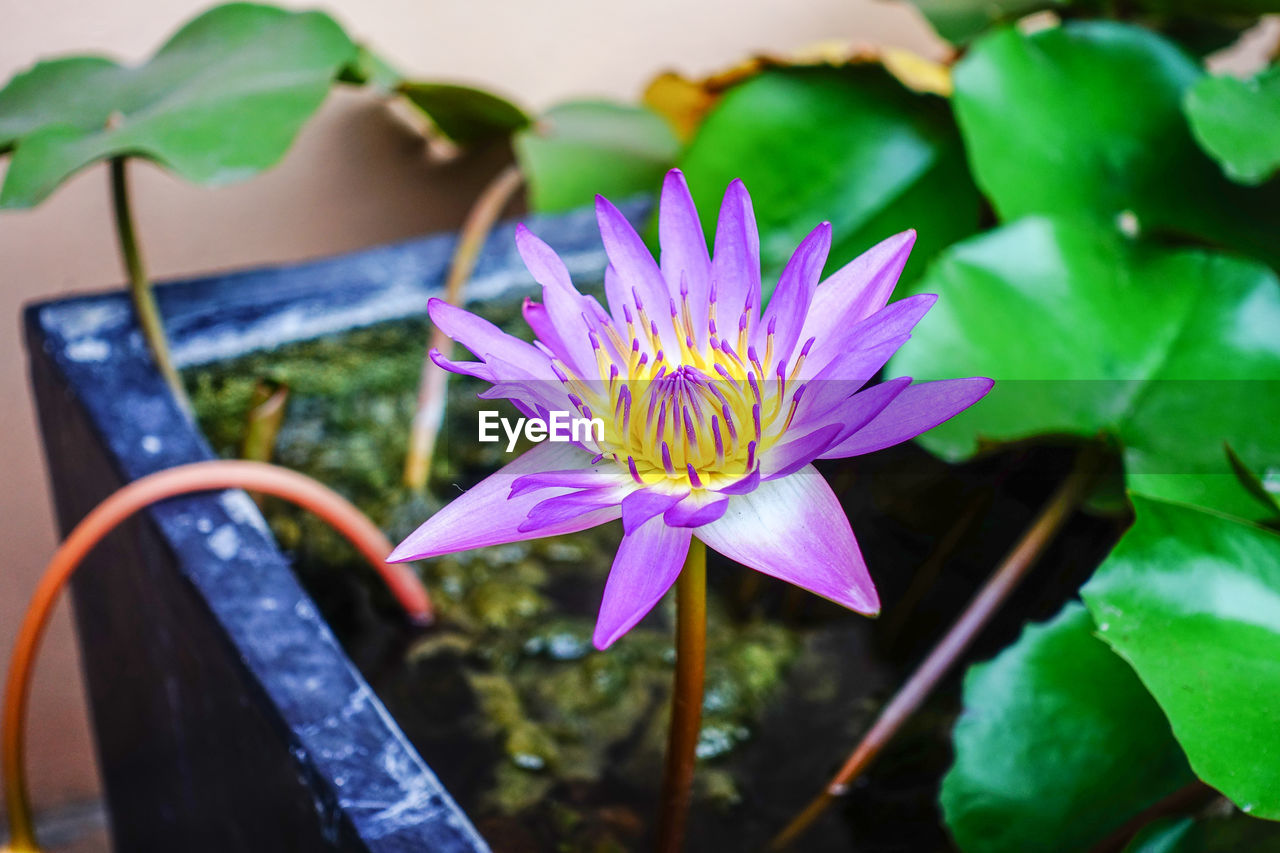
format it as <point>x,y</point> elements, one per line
<point>1074,489</point>
<point>105,517</point>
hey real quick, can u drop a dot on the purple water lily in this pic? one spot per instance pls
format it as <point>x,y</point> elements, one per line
<point>713,412</point>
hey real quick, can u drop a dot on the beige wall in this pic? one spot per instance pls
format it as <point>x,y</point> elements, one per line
<point>355,178</point>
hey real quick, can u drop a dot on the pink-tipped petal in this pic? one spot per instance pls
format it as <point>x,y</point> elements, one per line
<point>794,529</point>
<point>562,509</point>
<point>484,515</point>
<point>841,379</point>
<point>484,338</point>
<point>696,510</point>
<point>749,483</point>
<point>643,504</point>
<point>893,322</point>
<point>570,313</point>
<point>790,303</point>
<point>918,409</point>
<point>735,266</point>
<point>684,255</point>
<point>539,321</point>
<point>637,271</point>
<point>858,289</point>
<point>791,456</point>
<point>648,562</point>
<point>594,477</point>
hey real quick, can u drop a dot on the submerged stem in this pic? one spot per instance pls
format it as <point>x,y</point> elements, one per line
<point>433,384</point>
<point>144,300</point>
<point>1074,489</point>
<point>686,699</point>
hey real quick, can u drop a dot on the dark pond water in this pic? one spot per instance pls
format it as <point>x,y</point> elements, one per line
<point>550,745</point>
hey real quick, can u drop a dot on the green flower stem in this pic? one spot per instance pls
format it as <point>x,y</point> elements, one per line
<point>144,301</point>
<point>1074,489</point>
<point>686,699</point>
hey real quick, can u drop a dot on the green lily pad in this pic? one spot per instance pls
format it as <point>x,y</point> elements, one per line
<point>1166,835</point>
<point>1058,745</point>
<point>222,100</point>
<point>1087,118</point>
<point>959,21</point>
<point>1192,600</point>
<point>1267,495</point>
<point>580,148</point>
<point>465,115</point>
<point>1233,833</point>
<point>1238,123</point>
<point>1169,351</point>
<point>851,145</point>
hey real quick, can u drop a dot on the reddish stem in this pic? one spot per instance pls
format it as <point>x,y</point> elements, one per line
<point>686,699</point>
<point>429,415</point>
<point>105,517</point>
<point>944,655</point>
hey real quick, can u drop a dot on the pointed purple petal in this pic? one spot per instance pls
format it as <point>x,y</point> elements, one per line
<point>568,311</point>
<point>643,504</point>
<point>540,321</point>
<point>648,562</point>
<point>594,477</point>
<point>746,485</point>
<point>794,529</point>
<point>637,269</point>
<point>841,379</point>
<point>798,452</point>
<point>684,248</point>
<point>485,516</point>
<point>696,510</point>
<point>858,289</point>
<point>484,338</point>
<point>891,322</point>
<point>735,266</point>
<point>918,409</point>
<point>790,303</point>
<point>563,509</point>
<point>853,413</point>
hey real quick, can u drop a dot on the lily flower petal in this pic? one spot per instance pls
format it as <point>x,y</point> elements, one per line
<point>735,265</point>
<point>647,564</point>
<point>646,289</point>
<point>484,338</point>
<point>485,515</point>
<point>917,409</point>
<point>858,289</point>
<point>791,301</point>
<point>684,257</point>
<point>795,530</point>
<point>643,504</point>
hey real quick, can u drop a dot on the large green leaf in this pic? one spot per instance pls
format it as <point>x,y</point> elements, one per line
<point>580,148</point>
<point>1196,25</point>
<point>849,145</point>
<point>1058,745</point>
<point>1170,351</point>
<point>465,115</point>
<point>1238,123</point>
<point>221,100</point>
<point>1167,835</point>
<point>1233,833</point>
<point>1192,600</point>
<point>958,21</point>
<point>1087,118</point>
